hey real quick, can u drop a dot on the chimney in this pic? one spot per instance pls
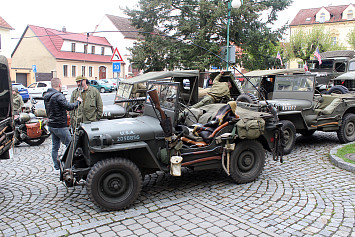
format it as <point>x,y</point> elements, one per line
<point>64,29</point>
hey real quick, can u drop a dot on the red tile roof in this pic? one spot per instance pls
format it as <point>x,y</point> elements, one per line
<point>125,26</point>
<point>302,15</point>
<point>4,24</point>
<point>53,41</point>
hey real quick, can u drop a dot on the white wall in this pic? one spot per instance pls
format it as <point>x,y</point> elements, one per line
<point>116,39</point>
<point>79,48</point>
<point>6,47</point>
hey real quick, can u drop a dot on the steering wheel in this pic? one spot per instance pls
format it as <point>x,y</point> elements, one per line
<point>186,107</point>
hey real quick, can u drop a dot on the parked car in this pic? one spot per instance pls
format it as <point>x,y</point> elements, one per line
<point>114,81</point>
<point>102,86</point>
<point>23,91</point>
<point>37,89</point>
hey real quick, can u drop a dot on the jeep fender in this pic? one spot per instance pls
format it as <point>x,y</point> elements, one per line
<point>131,150</point>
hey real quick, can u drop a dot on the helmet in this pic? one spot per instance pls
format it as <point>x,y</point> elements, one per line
<point>80,78</point>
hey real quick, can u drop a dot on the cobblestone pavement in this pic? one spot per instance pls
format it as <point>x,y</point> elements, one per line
<point>304,196</point>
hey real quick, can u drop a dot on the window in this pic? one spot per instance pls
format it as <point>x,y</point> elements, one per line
<point>102,50</point>
<point>41,84</point>
<point>92,49</point>
<point>65,70</point>
<point>352,66</point>
<point>90,71</point>
<point>73,71</point>
<point>350,15</point>
<point>73,47</point>
<point>308,19</point>
<point>322,18</point>
<point>85,48</point>
<point>333,40</point>
<point>340,67</point>
<point>83,70</point>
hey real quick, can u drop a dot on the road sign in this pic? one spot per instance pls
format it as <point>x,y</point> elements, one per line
<point>116,56</point>
<point>116,67</point>
<point>34,68</point>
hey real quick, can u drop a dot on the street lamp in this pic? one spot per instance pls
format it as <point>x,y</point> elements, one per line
<point>235,4</point>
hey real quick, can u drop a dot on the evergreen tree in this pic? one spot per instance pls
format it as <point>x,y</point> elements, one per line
<point>188,23</point>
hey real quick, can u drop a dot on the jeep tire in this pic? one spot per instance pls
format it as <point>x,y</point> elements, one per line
<point>247,161</point>
<point>114,184</point>
<point>338,89</point>
<point>248,98</point>
<point>289,131</point>
<point>346,132</point>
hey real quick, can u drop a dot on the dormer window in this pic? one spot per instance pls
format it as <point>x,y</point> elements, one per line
<point>308,19</point>
<point>349,16</point>
<point>322,18</point>
<point>73,47</point>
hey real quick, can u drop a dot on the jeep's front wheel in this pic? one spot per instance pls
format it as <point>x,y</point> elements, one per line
<point>247,161</point>
<point>346,132</point>
<point>289,131</point>
<point>114,184</point>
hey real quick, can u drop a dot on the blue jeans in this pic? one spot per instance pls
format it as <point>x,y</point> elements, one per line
<point>59,135</point>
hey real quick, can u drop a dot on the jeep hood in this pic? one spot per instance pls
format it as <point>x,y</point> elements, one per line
<point>346,76</point>
<point>123,130</point>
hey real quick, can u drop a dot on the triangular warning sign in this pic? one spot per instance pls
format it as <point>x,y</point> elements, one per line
<point>116,56</point>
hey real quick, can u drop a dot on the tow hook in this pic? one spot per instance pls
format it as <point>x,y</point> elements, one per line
<point>68,177</point>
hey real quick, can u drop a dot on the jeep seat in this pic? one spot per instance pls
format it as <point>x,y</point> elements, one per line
<point>330,102</point>
<point>208,131</point>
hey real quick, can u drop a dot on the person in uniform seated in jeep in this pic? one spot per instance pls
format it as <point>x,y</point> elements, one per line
<point>91,108</point>
<point>17,101</point>
<point>218,91</point>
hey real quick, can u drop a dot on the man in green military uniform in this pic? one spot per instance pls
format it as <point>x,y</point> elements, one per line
<point>218,91</point>
<point>17,101</point>
<point>91,108</point>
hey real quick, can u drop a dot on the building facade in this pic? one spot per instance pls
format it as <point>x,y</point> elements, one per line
<point>5,38</point>
<point>44,53</point>
<point>338,20</point>
<point>121,35</point>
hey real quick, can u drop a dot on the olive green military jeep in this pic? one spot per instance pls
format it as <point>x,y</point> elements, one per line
<point>113,156</point>
<point>6,120</point>
<point>302,110</point>
<point>130,96</point>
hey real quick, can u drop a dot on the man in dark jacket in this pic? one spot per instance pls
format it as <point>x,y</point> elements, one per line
<point>56,107</point>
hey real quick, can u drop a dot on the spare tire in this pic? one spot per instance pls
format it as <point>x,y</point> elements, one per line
<point>248,98</point>
<point>338,89</point>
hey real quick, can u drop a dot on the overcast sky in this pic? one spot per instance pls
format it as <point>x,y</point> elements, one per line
<point>83,15</point>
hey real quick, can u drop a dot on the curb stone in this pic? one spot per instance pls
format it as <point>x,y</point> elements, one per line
<point>339,162</point>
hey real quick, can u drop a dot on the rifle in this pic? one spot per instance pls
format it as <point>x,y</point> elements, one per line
<point>165,122</point>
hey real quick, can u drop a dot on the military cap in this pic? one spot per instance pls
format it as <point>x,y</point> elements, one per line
<point>80,78</point>
<point>14,88</point>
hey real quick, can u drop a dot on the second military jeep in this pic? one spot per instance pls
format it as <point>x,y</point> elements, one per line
<point>130,96</point>
<point>113,156</point>
<point>302,110</point>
